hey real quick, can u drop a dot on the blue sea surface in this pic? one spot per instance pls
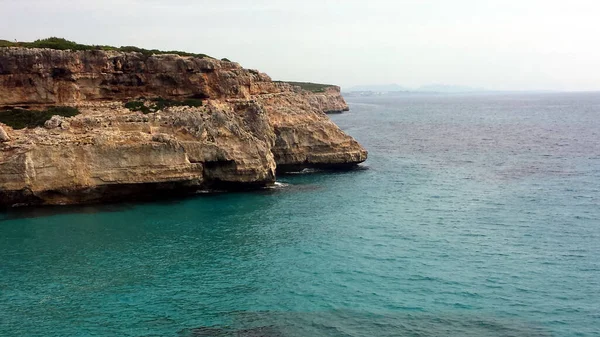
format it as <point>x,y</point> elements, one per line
<point>475,215</point>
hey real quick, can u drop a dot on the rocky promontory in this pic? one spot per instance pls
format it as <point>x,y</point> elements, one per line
<point>246,128</point>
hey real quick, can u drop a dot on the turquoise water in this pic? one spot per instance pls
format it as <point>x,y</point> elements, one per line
<point>474,216</point>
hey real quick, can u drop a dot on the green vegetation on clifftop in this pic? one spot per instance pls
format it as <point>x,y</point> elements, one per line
<point>160,103</point>
<point>22,118</point>
<point>63,44</point>
<point>314,87</point>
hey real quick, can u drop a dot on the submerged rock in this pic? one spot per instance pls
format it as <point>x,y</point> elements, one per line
<point>248,127</point>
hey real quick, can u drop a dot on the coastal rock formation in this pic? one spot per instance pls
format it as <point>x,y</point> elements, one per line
<point>305,137</point>
<point>3,135</point>
<point>45,76</point>
<point>247,128</point>
<point>328,101</point>
<point>108,152</point>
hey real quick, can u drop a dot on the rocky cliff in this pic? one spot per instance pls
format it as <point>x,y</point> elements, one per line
<point>328,101</point>
<point>248,128</point>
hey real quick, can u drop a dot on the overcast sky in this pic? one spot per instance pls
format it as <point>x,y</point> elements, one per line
<point>508,44</point>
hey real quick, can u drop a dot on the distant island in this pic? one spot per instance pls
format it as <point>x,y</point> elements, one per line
<point>394,89</point>
<point>377,88</point>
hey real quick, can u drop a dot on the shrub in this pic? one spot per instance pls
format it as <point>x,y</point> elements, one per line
<point>59,43</point>
<point>5,43</point>
<point>193,102</point>
<point>160,103</point>
<point>137,106</point>
<point>314,87</point>
<point>22,118</point>
<point>64,44</point>
<point>65,111</point>
<point>130,49</point>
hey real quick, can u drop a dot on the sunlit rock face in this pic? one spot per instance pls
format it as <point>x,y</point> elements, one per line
<point>248,128</point>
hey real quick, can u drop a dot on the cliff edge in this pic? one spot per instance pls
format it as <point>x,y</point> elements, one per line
<point>244,129</point>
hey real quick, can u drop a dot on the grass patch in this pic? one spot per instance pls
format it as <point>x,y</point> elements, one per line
<point>22,118</point>
<point>159,103</point>
<point>192,102</point>
<point>64,44</point>
<point>314,87</point>
<point>137,106</point>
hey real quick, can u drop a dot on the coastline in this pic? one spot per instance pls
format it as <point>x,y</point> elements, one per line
<point>241,127</point>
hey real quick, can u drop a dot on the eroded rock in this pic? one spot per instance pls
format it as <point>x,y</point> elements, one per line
<point>56,122</point>
<point>3,135</point>
<point>329,101</point>
<point>247,128</point>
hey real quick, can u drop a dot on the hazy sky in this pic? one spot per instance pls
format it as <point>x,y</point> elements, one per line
<point>508,44</point>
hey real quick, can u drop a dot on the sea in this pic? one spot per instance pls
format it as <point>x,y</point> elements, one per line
<point>475,215</point>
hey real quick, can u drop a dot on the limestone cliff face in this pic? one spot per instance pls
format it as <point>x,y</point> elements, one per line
<point>109,152</point>
<point>329,101</point>
<point>248,128</point>
<point>45,76</point>
<point>305,136</point>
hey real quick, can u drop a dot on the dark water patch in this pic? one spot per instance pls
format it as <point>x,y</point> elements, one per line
<point>283,170</point>
<point>159,200</point>
<point>355,324</point>
<point>24,212</point>
<point>41,211</point>
<point>261,331</point>
<point>148,197</point>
